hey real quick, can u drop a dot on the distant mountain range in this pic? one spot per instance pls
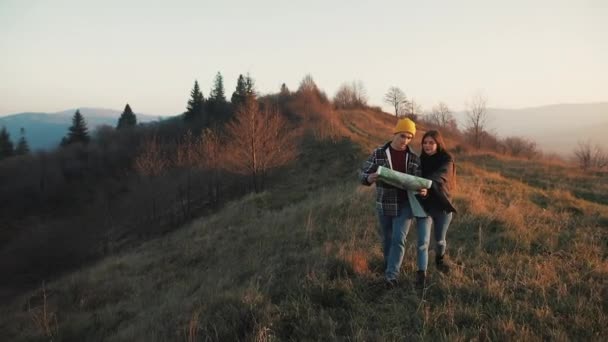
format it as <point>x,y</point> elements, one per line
<point>45,130</point>
<point>555,128</point>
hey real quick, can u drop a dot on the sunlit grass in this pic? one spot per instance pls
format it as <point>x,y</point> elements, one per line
<point>302,261</point>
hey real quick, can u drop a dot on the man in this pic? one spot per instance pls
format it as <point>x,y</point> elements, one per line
<point>393,204</point>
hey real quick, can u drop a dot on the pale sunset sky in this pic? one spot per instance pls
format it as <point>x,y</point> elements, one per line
<point>60,54</point>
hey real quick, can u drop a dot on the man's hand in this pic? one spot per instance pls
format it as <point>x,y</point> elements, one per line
<point>423,192</point>
<point>372,177</point>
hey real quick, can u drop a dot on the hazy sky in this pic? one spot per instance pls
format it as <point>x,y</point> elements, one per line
<point>61,54</point>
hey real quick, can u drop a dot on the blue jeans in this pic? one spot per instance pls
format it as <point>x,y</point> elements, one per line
<point>394,231</point>
<point>442,221</point>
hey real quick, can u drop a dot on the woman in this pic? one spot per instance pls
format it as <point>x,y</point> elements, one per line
<point>437,165</point>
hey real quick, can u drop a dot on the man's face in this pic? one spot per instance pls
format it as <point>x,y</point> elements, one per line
<point>401,139</point>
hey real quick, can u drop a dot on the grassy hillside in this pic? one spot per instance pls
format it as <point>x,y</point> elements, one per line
<point>302,261</point>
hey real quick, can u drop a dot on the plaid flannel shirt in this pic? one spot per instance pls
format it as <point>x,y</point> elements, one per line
<point>386,195</point>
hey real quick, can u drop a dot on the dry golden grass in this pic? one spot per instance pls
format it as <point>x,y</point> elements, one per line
<point>305,264</point>
<point>367,130</point>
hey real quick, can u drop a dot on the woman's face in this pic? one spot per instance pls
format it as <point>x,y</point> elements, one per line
<point>429,145</point>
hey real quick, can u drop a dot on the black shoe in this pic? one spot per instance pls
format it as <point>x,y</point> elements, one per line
<point>390,283</point>
<point>420,279</point>
<point>443,265</point>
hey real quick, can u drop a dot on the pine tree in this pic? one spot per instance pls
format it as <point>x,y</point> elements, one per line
<point>218,109</point>
<point>284,90</point>
<point>6,145</point>
<point>249,87</point>
<point>127,118</point>
<point>238,97</point>
<point>22,145</point>
<point>218,94</point>
<point>196,105</point>
<point>245,89</point>
<point>78,132</point>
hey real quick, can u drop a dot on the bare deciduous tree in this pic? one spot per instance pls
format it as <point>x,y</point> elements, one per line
<point>359,92</point>
<point>187,154</point>
<point>260,139</point>
<point>520,147</point>
<point>410,109</point>
<point>202,153</point>
<point>344,97</point>
<point>308,85</point>
<point>211,147</point>
<point>311,96</point>
<point>590,156</point>
<point>396,98</point>
<point>351,95</point>
<point>151,161</point>
<point>441,116</point>
<point>477,116</point>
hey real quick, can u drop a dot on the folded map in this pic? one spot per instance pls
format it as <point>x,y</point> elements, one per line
<point>402,180</point>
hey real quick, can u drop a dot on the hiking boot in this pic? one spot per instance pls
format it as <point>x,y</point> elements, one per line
<point>443,265</point>
<point>420,279</point>
<point>390,283</point>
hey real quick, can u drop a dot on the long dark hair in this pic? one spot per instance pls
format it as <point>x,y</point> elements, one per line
<point>441,153</point>
<point>441,148</point>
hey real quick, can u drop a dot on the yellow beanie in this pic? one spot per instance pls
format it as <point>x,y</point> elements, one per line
<point>405,125</point>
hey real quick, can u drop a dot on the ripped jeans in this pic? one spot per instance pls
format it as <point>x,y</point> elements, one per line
<point>441,220</point>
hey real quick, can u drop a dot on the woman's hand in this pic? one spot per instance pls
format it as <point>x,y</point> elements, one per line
<point>423,192</point>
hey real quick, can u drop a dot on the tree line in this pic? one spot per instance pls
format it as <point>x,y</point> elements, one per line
<point>115,185</point>
<point>7,149</point>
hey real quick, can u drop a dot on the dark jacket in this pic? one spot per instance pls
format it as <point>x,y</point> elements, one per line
<point>387,201</point>
<point>439,168</point>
